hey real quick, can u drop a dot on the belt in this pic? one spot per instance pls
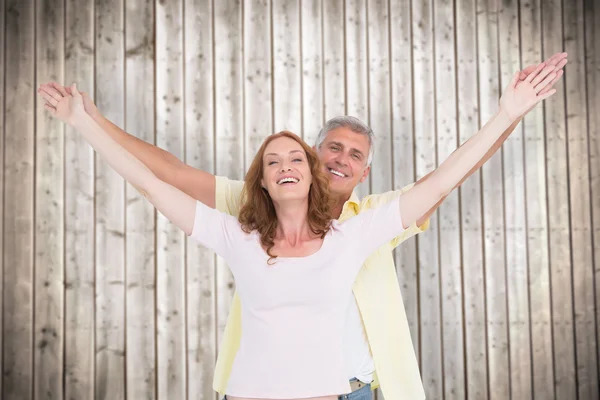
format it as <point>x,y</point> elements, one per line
<point>356,385</point>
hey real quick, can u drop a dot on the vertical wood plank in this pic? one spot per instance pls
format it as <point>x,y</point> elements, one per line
<point>199,153</point>
<point>379,93</point>
<point>592,57</point>
<point>558,215</point>
<point>229,143</point>
<point>334,77</point>
<point>49,213</point>
<point>312,69</point>
<point>428,246</point>
<point>140,242</point>
<point>471,208</point>
<point>110,209</point>
<point>357,88</point>
<point>403,160</point>
<point>2,172</point>
<point>79,212</point>
<point>379,108</point>
<point>579,200</point>
<point>287,92</point>
<point>258,77</point>
<point>537,214</point>
<point>170,241</point>
<point>19,183</point>
<point>515,217</point>
<point>449,212</point>
<point>493,213</point>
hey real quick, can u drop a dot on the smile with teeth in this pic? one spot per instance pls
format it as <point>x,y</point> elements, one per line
<point>337,173</point>
<point>287,180</point>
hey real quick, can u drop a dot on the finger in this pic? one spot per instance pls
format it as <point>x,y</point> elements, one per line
<point>48,97</point>
<point>542,75</point>
<point>50,108</point>
<point>60,88</point>
<point>556,58</point>
<point>559,74</point>
<point>74,90</point>
<point>535,72</point>
<point>561,64</point>
<point>528,70</point>
<point>515,78</point>
<point>51,91</point>
<point>543,84</point>
<point>546,95</point>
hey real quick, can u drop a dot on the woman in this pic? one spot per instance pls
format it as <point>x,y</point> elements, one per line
<point>293,266</point>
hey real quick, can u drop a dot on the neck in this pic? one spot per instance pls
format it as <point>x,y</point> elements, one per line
<point>340,200</point>
<point>292,221</point>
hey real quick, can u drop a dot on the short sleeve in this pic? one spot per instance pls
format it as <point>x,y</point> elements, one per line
<point>413,229</point>
<point>228,195</point>
<point>375,226</point>
<point>215,230</point>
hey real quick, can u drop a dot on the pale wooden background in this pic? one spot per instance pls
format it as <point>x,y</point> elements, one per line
<point>102,298</point>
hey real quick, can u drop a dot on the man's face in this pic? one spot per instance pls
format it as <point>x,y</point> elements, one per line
<point>344,154</point>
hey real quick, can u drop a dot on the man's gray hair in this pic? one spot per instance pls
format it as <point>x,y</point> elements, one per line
<point>352,123</point>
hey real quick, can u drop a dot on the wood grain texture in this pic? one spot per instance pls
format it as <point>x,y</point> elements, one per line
<point>49,210</point>
<point>140,243</point>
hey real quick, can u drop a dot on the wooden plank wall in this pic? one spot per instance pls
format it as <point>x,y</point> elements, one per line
<point>103,298</point>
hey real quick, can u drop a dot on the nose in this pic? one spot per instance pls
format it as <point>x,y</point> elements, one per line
<point>285,168</point>
<point>341,160</point>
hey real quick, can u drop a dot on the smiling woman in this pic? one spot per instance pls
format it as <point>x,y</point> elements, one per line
<point>285,155</point>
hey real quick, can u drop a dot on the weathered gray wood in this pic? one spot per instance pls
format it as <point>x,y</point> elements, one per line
<point>229,141</point>
<point>170,241</point>
<point>579,199</point>
<point>140,214</point>
<point>357,77</point>
<point>2,135</point>
<point>537,214</point>
<point>49,213</point>
<point>403,159</point>
<point>312,69</point>
<point>493,215</point>
<point>199,153</point>
<point>426,160</point>
<point>592,56</point>
<point>19,186</point>
<point>287,84</point>
<point>110,209</point>
<point>471,208</point>
<point>259,104</point>
<point>79,212</point>
<point>379,98</point>
<point>515,217</point>
<point>451,291</point>
<point>558,215</point>
<point>334,78</point>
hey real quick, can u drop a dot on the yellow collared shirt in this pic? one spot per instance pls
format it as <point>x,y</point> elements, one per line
<point>377,294</point>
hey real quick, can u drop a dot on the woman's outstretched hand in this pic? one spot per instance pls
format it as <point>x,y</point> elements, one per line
<point>67,107</point>
<point>521,96</point>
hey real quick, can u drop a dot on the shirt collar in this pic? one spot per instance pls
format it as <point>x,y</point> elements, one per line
<point>351,205</point>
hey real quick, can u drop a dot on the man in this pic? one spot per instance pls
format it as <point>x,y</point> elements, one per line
<point>377,337</point>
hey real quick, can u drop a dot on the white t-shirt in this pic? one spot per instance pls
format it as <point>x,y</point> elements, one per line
<point>359,361</point>
<point>294,312</point>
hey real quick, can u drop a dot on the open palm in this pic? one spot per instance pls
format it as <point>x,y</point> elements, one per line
<point>520,96</point>
<point>67,107</point>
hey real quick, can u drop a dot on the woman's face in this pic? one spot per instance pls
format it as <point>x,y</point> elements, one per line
<point>286,171</point>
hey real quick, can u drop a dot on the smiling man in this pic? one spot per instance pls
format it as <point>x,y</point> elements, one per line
<point>376,336</point>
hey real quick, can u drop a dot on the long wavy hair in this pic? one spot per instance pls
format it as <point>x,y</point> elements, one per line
<point>258,210</point>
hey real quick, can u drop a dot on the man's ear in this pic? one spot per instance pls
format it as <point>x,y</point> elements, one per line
<point>365,174</point>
